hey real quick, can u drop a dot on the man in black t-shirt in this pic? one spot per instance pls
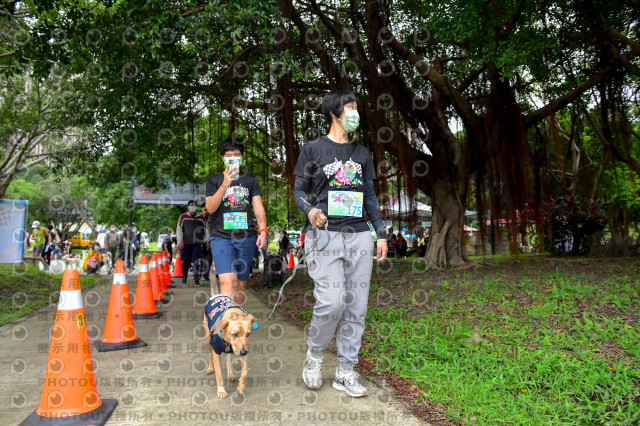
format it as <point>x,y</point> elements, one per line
<point>233,197</point>
<point>339,174</point>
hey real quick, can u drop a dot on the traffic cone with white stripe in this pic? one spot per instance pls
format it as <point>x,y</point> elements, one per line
<point>166,273</point>
<point>292,263</point>
<point>144,306</point>
<point>169,277</point>
<point>119,331</point>
<point>156,285</point>
<point>177,269</point>
<point>69,393</point>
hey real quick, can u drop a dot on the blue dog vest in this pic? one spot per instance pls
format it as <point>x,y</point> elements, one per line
<point>214,309</point>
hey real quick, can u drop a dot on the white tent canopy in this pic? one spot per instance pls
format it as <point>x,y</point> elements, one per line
<point>401,206</point>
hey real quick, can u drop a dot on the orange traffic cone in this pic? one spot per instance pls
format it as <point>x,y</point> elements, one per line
<point>119,331</point>
<point>169,281</point>
<point>144,306</point>
<point>177,269</point>
<point>156,285</point>
<point>167,269</point>
<point>291,262</point>
<point>166,275</point>
<point>69,393</point>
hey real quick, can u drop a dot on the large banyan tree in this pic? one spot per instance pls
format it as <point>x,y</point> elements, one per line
<point>455,95</point>
<point>500,68</point>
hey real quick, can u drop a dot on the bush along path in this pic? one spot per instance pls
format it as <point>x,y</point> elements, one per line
<point>533,340</point>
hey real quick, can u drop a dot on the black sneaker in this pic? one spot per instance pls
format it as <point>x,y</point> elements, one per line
<point>197,283</point>
<point>184,282</point>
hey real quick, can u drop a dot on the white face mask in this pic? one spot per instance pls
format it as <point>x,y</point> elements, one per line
<point>193,209</point>
<point>96,248</point>
<point>113,229</point>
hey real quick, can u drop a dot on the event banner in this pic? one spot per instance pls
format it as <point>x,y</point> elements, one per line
<point>13,220</point>
<point>170,193</point>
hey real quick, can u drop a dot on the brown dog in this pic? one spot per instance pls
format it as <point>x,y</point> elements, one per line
<point>229,330</point>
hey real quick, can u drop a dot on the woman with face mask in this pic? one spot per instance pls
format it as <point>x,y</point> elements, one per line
<point>340,174</point>
<point>233,197</point>
<point>94,260</point>
<point>191,234</point>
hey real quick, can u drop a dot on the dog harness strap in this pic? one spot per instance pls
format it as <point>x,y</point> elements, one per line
<point>214,309</point>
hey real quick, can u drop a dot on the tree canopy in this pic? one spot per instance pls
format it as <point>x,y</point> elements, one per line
<point>504,106</point>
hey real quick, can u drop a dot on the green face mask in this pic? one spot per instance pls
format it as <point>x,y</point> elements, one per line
<point>351,120</point>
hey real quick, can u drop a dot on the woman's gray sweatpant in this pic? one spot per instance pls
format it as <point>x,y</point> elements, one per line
<point>341,275</point>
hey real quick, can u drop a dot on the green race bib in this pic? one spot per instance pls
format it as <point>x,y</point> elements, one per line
<point>345,203</point>
<point>235,220</point>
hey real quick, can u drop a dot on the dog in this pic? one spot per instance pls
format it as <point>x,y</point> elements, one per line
<point>72,262</point>
<point>229,329</point>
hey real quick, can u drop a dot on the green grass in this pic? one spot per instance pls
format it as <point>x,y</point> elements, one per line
<point>24,289</point>
<point>551,347</point>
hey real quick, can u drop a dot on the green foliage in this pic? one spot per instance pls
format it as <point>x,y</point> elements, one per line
<point>24,289</point>
<point>534,363</point>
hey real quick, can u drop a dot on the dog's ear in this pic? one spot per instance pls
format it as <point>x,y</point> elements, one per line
<point>253,320</point>
<point>221,325</point>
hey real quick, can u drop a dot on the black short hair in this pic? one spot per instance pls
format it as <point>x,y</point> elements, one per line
<point>191,201</point>
<point>231,144</point>
<point>334,102</point>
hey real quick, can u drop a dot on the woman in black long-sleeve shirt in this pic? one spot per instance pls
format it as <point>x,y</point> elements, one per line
<point>340,175</point>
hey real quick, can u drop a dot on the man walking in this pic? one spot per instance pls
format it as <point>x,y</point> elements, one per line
<point>191,233</point>
<point>283,244</point>
<point>40,237</point>
<point>112,242</point>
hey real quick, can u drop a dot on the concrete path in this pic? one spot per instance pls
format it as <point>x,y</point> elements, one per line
<point>165,383</point>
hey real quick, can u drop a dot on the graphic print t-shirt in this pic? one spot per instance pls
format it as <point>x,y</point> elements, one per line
<point>344,166</point>
<point>236,199</point>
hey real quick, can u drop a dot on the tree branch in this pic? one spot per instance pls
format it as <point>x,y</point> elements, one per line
<point>461,105</point>
<point>560,102</point>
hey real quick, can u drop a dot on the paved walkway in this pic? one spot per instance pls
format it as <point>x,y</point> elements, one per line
<point>165,384</point>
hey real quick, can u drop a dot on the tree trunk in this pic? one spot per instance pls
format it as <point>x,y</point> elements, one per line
<point>445,241</point>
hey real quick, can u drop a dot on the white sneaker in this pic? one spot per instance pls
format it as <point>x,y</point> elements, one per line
<point>348,381</point>
<point>312,373</point>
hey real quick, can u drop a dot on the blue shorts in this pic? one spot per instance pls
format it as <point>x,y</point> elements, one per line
<point>234,255</point>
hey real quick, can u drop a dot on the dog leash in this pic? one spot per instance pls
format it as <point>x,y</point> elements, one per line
<point>313,247</point>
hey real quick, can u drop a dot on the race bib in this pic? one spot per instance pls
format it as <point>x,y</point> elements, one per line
<point>345,203</point>
<point>235,220</point>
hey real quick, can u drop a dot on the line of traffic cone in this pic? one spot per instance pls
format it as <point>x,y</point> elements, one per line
<point>144,306</point>
<point>177,269</point>
<point>167,268</point>
<point>156,284</point>
<point>169,281</point>
<point>119,329</point>
<point>69,392</point>
<point>162,271</point>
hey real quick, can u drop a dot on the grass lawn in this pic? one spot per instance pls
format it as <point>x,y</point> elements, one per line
<point>25,289</point>
<point>536,341</point>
